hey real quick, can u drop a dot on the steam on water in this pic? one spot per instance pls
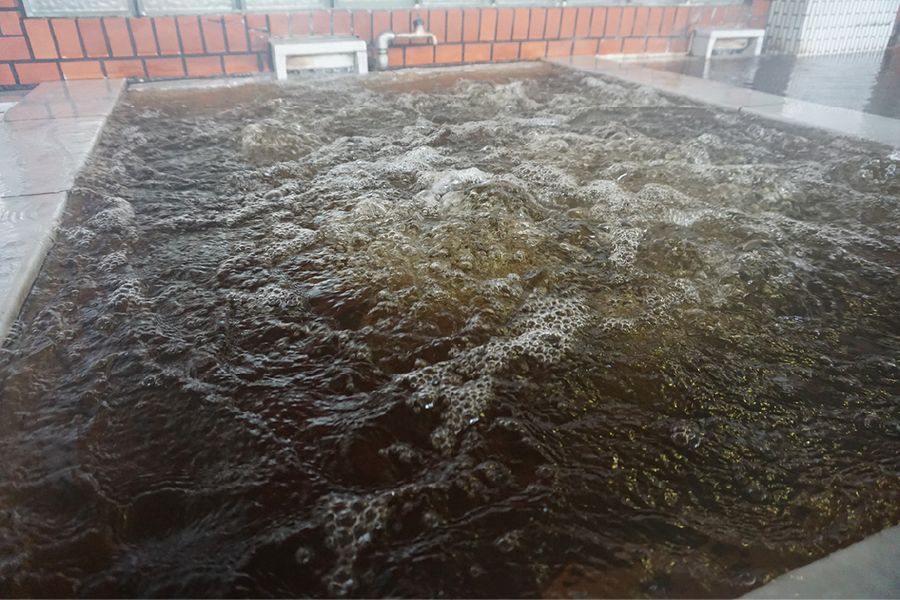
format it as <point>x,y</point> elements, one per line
<point>461,333</point>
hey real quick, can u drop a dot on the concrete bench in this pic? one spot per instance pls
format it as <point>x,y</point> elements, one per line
<point>325,52</point>
<point>704,40</point>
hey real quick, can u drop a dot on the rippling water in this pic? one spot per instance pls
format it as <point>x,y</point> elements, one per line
<point>512,332</point>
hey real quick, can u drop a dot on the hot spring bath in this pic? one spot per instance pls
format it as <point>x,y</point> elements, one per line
<point>511,332</point>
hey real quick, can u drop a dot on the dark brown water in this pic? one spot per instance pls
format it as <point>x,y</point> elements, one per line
<point>499,333</point>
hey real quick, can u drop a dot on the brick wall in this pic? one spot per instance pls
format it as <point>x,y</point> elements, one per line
<point>35,50</point>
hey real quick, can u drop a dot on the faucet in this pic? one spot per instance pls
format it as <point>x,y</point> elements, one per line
<point>385,39</point>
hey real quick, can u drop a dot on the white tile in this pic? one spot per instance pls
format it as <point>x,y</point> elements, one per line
<point>44,155</point>
<point>27,228</point>
<point>67,99</point>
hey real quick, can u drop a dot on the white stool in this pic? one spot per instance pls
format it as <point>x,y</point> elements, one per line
<point>325,52</point>
<point>704,40</point>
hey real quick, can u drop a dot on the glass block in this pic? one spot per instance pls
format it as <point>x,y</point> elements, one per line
<point>76,8</point>
<point>185,7</point>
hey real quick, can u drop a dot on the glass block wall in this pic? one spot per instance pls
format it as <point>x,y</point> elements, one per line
<point>807,27</point>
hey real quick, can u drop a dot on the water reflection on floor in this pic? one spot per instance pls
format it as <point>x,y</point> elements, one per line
<point>869,82</point>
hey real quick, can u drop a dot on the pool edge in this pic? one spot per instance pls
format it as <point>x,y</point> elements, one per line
<point>49,136</point>
<point>835,120</point>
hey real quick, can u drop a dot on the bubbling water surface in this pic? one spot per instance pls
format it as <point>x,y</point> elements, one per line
<point>502,332</point>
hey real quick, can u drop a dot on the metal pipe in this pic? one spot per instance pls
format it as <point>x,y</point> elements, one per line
<point>385,39</point>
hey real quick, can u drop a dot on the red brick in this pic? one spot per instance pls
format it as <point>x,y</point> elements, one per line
<point>203,66</point>
<point>235,33</point>
<point>117,34</point>
<point>164,67</point>
<point>400,21</point>
<point>533,50</point>
<point>9,3</point>
<point>258,32</point>
<point>488,29</point>
<point>682,15</point>
<point>419,55</point>
<point>657,45</point>
<point>189,31</point>
<point>301,23</point>
<point>82,69</point>
<point>91,32</point>
<point>474,53</point>
<point>10,24</point>
<point>728,15</point>
<point>633,45</point>
<point>654,24</point>
<point>6,75</point>
<point>598,22</point>
<point>667,25</point>
<point>641,15</point>
<point>471,24</point>
<point>757,22</point>
<point>321,22</point>
<point>583,47</point>
<point>213,36</point>
<point>708,17</point>
<point>448,54</point>
<point>613,20</point>
<point>583,22</point>
<point>504,23</point>
<point>678,45</point>
<point>241,63</point>
<point>144,40</point>
<point>536,26</point>
<point>117,69</point>
<point>627,22</point>
<point>41,39</point>
<point>67,40</point>
<point>567,22</point>
<point>505,51</point>
<point>437,24</point>
<point>395,57</point>
<point>280,24</point>
<point>760,8</point>
<point>520,24</point>
<point>362,24</point>
<point>14,48</point>
<point>454,25</point>
<point>559,48</point>
<point>341,21</point>
<point>37,72</point>
<point>552,23</point>
<point>609,46</point>
<point>381,22</point>
<point>167,35</point>
<point>722,15</point>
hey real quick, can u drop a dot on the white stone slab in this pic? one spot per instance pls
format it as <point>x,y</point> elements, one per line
<point>27,228</point>
<point>868,569</point>
<point>41,156</point>
<point>68,99</point>
<point>788,110</point>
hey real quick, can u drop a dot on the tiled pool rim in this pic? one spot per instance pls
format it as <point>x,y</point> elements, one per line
<point>38,171</point>
<point>45,140</point>
<point>841,121</point>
